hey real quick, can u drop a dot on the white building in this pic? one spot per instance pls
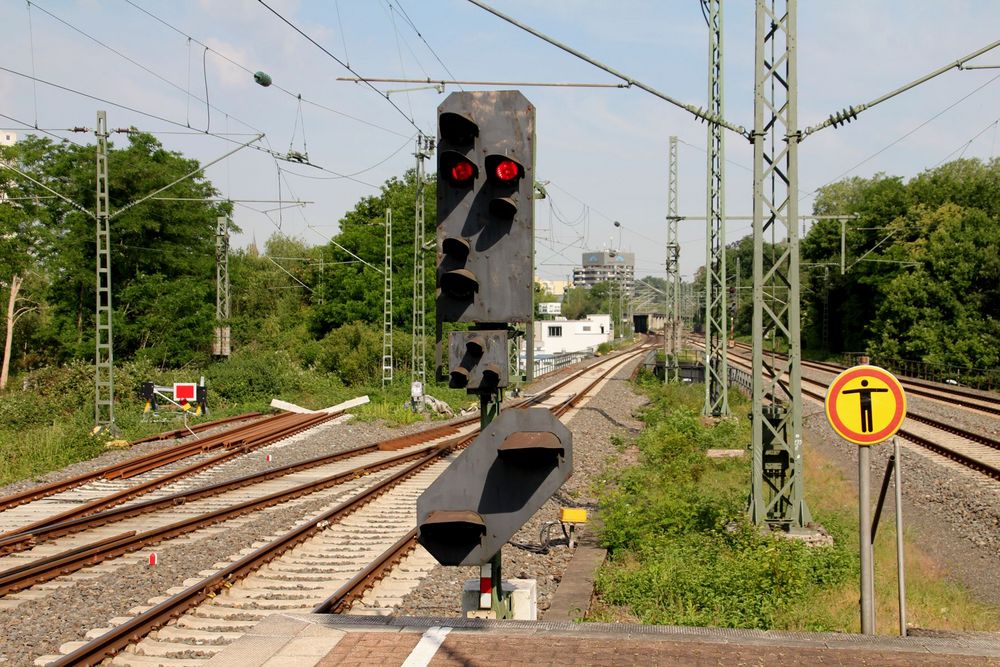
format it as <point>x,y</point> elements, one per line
<point>560,335</point>
<point>7,138</point>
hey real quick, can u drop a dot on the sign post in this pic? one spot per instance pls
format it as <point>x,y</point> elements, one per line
<point>866,405</point>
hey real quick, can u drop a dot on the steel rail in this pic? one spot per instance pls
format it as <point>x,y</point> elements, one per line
<point>195,428</point>
<point>937,448</point>
<point>917,386</point>
<point>244,444</point>
<point>44,490</point>
<point>64,563</point>
<point>81,518</point>
<point>48,532</point>
<point>372,573</point>
<point>121,636</point>
<point>116,639</point>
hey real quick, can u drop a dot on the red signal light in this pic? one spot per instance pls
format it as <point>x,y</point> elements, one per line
<point>507,170</point>
<point>462,171</point>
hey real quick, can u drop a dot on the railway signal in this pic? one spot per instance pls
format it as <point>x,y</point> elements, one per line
<point>485,276</point>
<point>485,267</point>
<point>494,487</point>
<point>478,360</point>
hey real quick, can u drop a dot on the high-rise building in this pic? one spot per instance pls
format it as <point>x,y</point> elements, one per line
<point>606,265</point>
<point>8,138</point>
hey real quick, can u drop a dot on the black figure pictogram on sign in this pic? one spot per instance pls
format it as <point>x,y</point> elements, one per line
<point>865,395</point>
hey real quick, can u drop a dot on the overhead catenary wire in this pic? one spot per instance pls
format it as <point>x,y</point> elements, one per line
<point>42,130</point>
<point>351,176</point>
<point>343,35</point>
<point>224,137</point>
<point>144,68</point>
<point>339,61</point>
<point>31,48</point>
<point>200,169</point>
<point>120,105</point>
<point>965,146</point>
<point>249,71</point>
<point>399,54</point>
<point>406,16</point>
<point>905,135</point>
<point>690,108</point>
<point>289,273</point>
<point>850,113</point>
<point>5,165</point>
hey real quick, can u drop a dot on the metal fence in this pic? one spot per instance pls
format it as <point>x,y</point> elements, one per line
<point>543,366</point>
<point>978,378</point>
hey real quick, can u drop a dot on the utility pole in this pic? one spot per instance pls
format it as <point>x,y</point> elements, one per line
<point>777,497</point>
<point>418,347</point>
<point>716,365</point>
<point>221,344</point>
<point>387,304</point>
<point>672,314</point>
<point>104,375</point>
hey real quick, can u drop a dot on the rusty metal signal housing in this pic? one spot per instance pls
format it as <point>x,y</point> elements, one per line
<point>485,231</point>
<point>494,486</point>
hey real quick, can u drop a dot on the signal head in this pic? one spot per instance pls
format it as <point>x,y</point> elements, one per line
<point>503,170</point>
<point>457,169</point>
<point>458,129</point>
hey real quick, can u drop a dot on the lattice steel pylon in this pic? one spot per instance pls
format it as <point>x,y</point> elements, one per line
<point>387,361</point>
<point>672,312</point>
<point>221,343</point>
<point>104,373</point>
<point>777,497</point>
<point>418,347</point>
<point>716,365</point>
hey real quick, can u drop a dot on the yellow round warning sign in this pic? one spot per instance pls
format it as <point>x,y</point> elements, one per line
<point>865,404</point>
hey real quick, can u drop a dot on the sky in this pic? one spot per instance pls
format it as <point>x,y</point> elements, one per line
<point>602,151</point>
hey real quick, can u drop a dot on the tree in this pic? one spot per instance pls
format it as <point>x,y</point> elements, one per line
<point>273,294</point>
<point>162,252</point>
<point>948,305</point>
<point>922,276</point>
<point>350,289</point>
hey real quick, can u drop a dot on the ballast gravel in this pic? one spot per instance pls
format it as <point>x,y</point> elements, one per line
<point>952,514</point>
<point>38,627</point>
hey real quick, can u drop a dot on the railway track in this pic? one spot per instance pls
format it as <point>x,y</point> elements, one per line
<point>301,556</point>
<point>117,470</point>
<point>981,402</point>
<point>971,449</point>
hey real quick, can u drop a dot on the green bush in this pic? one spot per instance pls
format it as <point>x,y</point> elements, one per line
<point>681,549</point>
<point>252,376</point>
<point>353,353</point>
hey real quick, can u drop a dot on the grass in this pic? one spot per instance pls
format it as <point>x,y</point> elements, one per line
<point>932,600</point>
<point>681,551</point>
